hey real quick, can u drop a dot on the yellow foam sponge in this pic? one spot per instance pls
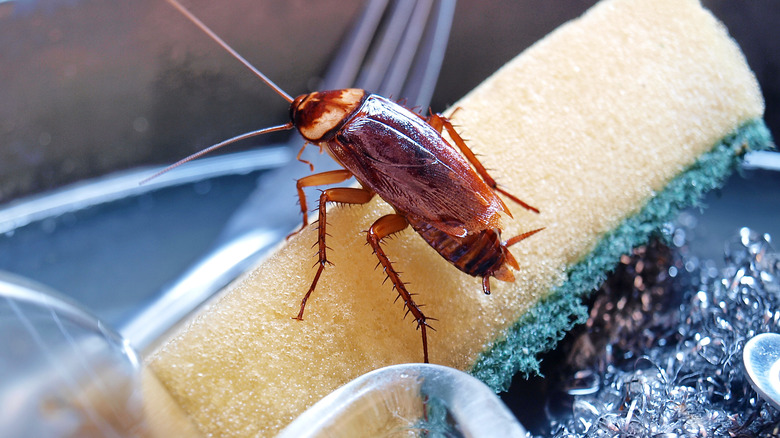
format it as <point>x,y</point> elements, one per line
<point>607,126</point>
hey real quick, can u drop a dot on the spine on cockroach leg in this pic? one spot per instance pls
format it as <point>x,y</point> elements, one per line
<point>382,228</point>
<point>345,195</point>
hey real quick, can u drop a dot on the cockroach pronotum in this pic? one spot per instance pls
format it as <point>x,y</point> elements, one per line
<point>443,192</point>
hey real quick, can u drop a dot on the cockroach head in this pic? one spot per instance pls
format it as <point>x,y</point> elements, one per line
<point>319,115</point>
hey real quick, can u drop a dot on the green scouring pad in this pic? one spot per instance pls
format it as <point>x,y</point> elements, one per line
<point>609,125</point>
<point>547,322</point>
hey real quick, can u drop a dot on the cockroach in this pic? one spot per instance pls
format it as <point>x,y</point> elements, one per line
<point>443,192</point>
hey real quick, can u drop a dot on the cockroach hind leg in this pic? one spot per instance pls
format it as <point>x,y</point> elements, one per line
<point>515,199</point>
<point>437,121</point>
<point>441,123</point>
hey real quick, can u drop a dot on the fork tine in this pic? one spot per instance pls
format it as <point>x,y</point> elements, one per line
<point>398,69</point>
<point>390,36</point>
<point>406,60</point>
<point>395,49</point>
<point>424,72</point>
<point>346,63</point>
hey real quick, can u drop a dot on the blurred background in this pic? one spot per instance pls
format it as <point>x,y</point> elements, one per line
<point>92,87</point>
<point>88,87</point>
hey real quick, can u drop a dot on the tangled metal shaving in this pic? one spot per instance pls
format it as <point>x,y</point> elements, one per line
<point>661,354</point>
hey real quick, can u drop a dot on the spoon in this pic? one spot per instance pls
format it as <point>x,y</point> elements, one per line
<point>761,357</point>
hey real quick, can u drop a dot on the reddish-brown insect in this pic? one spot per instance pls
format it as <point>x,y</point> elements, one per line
<point>444,193</point>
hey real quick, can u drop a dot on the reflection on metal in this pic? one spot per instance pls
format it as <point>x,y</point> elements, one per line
<point>761,357</point>
<point>122,185</point>
<point>409,397</point>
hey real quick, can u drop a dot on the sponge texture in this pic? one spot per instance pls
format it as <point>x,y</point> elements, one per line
<point>546,323</point>
<point>608,125</point>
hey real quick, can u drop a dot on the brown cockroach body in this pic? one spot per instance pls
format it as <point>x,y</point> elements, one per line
<point>444,193</point>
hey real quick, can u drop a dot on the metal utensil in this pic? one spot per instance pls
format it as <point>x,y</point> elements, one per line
<point>408,397</point>
<point>761,358</point>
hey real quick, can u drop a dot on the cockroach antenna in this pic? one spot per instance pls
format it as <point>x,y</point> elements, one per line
<point>229,49</point>
<point>257,72</point>
<point>288,125</point>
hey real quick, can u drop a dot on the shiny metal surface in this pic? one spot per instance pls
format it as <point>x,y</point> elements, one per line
<point>64,373</point>
<point>761,358</point>
<point>401,399</point>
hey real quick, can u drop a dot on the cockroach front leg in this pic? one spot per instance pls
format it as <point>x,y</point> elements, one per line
<point>346,195</point>
<point>439,122</point>
<point>383,227</point>
<point>318,179</point>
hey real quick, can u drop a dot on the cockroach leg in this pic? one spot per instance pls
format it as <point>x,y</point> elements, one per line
<point>463,229</point>
<point>439,122</point>
<point>346,195</point>
<point>383,227</point>
<point>300,153</point>
<point>318,179</point>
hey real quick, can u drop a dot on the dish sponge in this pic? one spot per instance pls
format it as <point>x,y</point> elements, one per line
<point>609,126</point>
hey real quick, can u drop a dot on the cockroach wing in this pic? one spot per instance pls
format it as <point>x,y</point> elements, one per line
<point>404,160</point>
